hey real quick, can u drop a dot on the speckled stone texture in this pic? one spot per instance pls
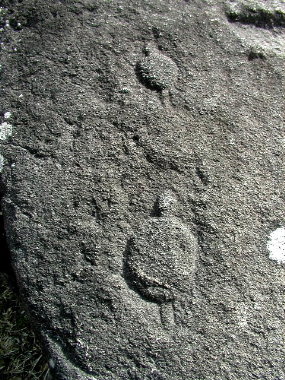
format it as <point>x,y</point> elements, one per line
<point>142,159</point>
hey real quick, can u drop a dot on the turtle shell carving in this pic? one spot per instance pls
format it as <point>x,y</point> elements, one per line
<point>161,256</point>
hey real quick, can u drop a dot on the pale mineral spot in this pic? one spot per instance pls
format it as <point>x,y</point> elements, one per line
<point>5,130</point>
<point>276,245</point>
<point>7,115</point>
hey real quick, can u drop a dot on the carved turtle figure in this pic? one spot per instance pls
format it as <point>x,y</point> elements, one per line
<point>161,258</point>
<point>156,70</point>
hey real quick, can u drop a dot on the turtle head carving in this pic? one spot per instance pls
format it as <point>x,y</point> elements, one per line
<point>166,203</point>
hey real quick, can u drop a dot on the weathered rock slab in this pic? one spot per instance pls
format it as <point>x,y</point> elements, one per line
<point>142,159</point>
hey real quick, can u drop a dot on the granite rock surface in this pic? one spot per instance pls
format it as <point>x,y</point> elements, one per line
<point>142,182</point>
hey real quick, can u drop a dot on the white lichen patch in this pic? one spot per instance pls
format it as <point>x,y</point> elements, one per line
<point>276,245</point>
<point>7,115</point>
<point>5,130</point>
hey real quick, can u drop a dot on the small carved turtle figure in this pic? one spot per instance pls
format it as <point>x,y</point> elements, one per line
<point>156,70</point>
<point>161,258</point>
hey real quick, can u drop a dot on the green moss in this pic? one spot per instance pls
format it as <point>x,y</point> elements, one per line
<point>21,357</point>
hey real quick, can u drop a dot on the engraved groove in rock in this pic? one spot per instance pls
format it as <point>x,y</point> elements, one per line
<point>257,15</point>
<point>160,259</point>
